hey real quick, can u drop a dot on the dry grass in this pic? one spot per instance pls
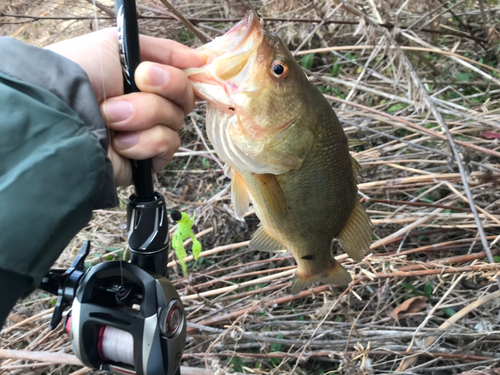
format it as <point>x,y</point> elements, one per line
<point>397,90</point>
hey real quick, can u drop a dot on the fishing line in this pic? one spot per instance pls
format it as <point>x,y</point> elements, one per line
<point>103,87</point>
<point>116,345</point>
<point>113,344</point>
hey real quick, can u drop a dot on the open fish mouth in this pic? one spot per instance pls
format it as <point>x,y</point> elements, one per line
<point>229,54</point>
<point>235,41</point>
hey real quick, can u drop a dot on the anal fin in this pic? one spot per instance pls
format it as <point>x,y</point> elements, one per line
<point>356,235</point>
<point>337,275</point>
<point>264,241</point>
<point>273,196</point>
<point>354,142</point>
<point>355,168</point>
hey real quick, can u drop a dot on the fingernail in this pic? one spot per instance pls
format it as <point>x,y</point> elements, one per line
<point>158,76</point>
<point>118,111</point>
<point>126,140</point>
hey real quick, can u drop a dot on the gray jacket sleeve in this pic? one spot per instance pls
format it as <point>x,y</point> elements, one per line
<point>66,80</point>
<point>54,168</point>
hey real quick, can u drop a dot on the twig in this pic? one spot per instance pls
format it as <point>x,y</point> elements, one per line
<point>205,38</point>
<point>195,20</point>
<point>441,262</point>
<point>69,359</point>
<point>414,126</point>
<point>458,159</point>
<point>320,289</point>
<point>238,286</point>
<point>418,204</point>
<point>319,325</point>
<point>341,354</point>
<point>82,371</point>
<point>103,7</point>
<point>405,229</point>
<point>459,20</point>
<point>404,48</point>
<point>26,321</point>
<point>215,250</point>
<point>452,320</point>
<point>61,358</point>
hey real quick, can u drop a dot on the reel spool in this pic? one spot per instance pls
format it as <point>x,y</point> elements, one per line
<point>127,321</point>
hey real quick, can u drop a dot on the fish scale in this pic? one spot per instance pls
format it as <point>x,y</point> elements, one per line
<point>320,196</point>
<point>285,151</point>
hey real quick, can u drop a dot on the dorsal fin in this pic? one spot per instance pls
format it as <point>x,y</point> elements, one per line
<point>264,241</point>
<point>239,195</point>
<point>356,235</point>
<point>273,196</point>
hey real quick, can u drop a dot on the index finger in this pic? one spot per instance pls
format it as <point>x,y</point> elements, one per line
<point>169,52</point>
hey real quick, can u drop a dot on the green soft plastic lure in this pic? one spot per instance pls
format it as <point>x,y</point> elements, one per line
<point>183,231</point>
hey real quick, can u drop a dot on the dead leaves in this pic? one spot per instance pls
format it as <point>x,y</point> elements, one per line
<point>411,305</point>
<point>490,135</point>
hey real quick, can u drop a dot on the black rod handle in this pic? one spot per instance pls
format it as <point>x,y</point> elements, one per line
<point>130,55</point>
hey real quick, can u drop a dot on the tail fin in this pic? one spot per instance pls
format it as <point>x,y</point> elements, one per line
<point>335,275</point>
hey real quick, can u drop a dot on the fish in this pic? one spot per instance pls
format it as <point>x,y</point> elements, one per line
<point>285,151</point>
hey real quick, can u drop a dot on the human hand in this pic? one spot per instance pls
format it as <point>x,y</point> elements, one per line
<point>145,123</point>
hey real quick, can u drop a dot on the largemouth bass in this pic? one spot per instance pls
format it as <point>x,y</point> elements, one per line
<point>284,150</point>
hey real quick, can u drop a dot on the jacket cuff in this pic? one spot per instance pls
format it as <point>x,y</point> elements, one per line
<point>69,82</point>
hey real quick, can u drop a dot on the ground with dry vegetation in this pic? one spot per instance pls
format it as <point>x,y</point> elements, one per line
<point>404,77</point>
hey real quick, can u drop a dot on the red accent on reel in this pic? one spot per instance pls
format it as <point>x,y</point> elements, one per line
<point>174,319</point>
<point>99,343</point>
<point>68,325</point>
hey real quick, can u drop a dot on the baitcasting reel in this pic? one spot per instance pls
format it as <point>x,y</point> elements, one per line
<point>126,318</point>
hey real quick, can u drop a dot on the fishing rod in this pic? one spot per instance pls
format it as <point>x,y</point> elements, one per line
<point>126,318</point>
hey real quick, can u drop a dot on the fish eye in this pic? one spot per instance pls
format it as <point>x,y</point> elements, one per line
<point>279,69</point>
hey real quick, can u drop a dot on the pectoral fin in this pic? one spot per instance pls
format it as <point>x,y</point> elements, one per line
<point>356,235</point>
<point>239,195</point>
<point>264,241</point>
<point>273,195</point>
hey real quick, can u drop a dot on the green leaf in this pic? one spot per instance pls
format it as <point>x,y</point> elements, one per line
<point>427,199</point>
<point>410,288</point>
<point>205,162</point>
<point>428,289</point>
<point>466,77</point>
<point>497,258</point>
<point>307,61</point>
<point>276,347</point>
<point>237,364</point>
<point>396,107</point>
<point>334,70</point>
<point>449,311</point>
